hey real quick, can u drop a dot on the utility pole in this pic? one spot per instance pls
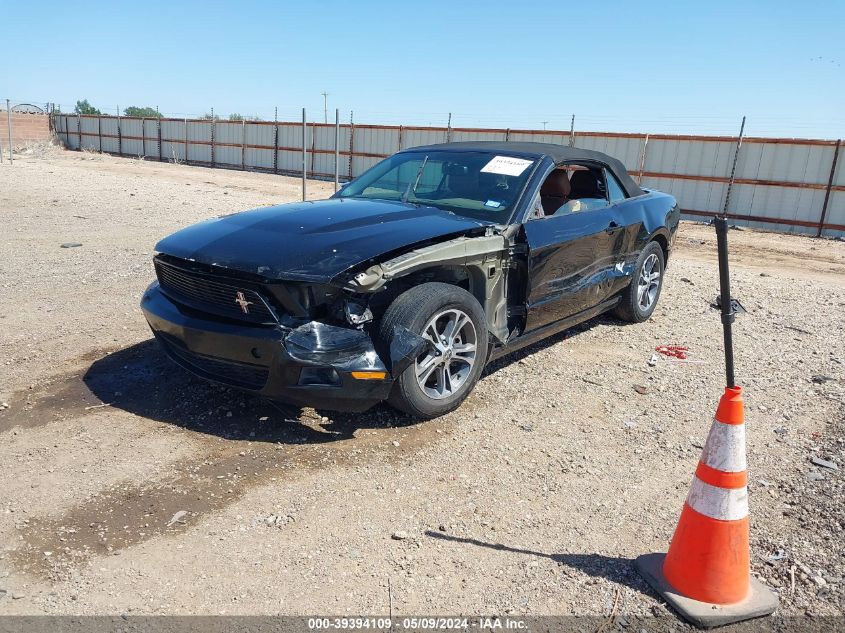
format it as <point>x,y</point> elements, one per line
<point>325,107</point>
<point>544,124</point>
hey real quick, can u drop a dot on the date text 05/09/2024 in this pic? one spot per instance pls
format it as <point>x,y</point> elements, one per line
<point>417,623</point>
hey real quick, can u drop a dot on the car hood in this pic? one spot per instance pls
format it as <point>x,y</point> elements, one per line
<point>312,241</point>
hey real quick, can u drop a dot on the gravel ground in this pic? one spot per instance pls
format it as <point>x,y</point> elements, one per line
<point>131,487</point>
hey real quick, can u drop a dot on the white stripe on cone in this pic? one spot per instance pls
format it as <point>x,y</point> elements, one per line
<point>725,504</point>
<point>725,447</point>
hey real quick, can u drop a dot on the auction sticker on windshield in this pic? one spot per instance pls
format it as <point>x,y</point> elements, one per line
<point>506,166</point>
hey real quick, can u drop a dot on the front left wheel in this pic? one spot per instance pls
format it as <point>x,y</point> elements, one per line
<point>442,376</point>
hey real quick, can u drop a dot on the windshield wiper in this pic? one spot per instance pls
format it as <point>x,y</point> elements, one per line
<point>409,189</point>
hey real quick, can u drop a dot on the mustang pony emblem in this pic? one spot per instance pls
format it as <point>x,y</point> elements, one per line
<point>240,299</point>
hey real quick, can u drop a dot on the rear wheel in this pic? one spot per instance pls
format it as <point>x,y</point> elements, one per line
<point>442,376</point>
<point>640,297</point>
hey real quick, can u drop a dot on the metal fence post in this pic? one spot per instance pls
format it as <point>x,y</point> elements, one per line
<point>572,132</point>
<point>100,133</point>
<point>733,168</point>
<point>158,132</point>
<point>212,137</point>
<point>304,151</point>
<point>9,125</point>
<point>119,134</point>
<point>276,140</point>
<point>243,144</point>
<point>351,140</point>
<point>642,160</point>
<point>143,137</point>
<point>337,148</point>
<point>400,138</point>
<point>829,187</point>
<point>79,130</point>
<point>186,139</point>
<point>507,135</point>
<point>313,148</point>
<point>449,129</point>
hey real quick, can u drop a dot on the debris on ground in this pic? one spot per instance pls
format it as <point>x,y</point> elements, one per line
<point>824,463</point>
<point>178,518</point>
<point>673,351</point>
<point>819,379</point>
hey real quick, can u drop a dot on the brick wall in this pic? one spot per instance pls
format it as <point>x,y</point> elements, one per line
<point>25,128</point>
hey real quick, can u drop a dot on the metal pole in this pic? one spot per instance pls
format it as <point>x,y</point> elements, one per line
<point>119,135</point>
<point>400,138</point>
<point>572,132</point>
<point>304,151</point>
<point>829,187</point>
<point>351,140</point>
<point>507,135</point>
<point>158,132</point>
<point>143,136</point>
<point>276,140</point>
<point>79,130</point>
<point>721,224</point>
<point>212,137</point>
<point>186,139</point>
<point>9,124</point>
<point>326,108</point>
<point>449,129</point>
<point>336,148</point>
<point>642,161</point>
<point>313,148</point>
<point>100,133</point>
<point>243,143</point>
<point>733,168</point>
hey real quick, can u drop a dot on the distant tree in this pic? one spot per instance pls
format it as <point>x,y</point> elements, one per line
<point>147,113</point>
<point>240,117</point>
<point>207,116</point>
<point>83,107</point>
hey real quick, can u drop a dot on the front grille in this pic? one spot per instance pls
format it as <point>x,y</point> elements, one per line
<point>228,372</point>
<point>203,292</point>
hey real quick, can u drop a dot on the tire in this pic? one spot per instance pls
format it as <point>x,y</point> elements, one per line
<point>640,297</point>
<point>447,372</point>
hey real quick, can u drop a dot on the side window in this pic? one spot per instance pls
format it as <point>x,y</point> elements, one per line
<point>614,189</point>
<point>573,188</point>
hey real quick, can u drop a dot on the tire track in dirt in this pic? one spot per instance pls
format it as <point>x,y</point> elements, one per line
<point>141,381</point>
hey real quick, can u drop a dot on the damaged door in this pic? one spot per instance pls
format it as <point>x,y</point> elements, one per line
<point>572,263</point>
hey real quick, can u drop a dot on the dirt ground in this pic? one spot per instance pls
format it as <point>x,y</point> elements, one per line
<point>128,486</point>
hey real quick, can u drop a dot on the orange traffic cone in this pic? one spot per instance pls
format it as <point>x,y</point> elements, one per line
<point>706,574</point>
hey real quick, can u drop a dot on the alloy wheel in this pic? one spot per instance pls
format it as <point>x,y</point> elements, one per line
<point>444,368</point>
<point>649,282</point>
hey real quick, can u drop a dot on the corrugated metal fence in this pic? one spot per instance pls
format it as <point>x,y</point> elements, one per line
<point>787,185</point>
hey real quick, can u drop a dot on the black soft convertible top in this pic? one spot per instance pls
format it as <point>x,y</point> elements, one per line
<point>558,153</point>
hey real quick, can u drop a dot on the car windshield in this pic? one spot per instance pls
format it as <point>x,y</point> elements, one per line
<point>481,185</point>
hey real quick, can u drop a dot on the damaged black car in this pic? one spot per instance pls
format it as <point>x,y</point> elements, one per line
<point>410,279</point>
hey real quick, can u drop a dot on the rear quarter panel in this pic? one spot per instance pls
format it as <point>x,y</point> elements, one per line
<point>659,216</point>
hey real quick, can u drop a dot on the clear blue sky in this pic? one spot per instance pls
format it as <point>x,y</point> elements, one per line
<point>627,66</point>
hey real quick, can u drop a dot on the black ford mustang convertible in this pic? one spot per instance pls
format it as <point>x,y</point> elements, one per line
<point>407,281</point>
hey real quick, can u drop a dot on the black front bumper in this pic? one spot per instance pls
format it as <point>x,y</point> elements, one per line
<point>269,360</point>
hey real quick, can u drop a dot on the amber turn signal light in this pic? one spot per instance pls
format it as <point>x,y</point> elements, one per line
<point>369,375</point>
